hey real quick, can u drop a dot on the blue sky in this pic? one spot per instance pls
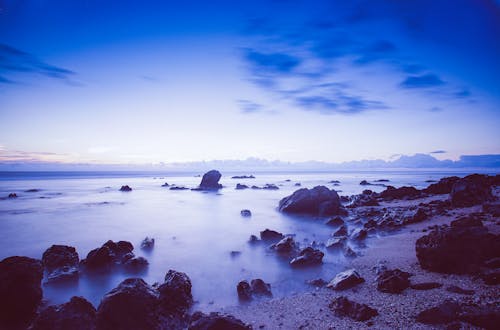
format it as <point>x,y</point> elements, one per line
<point>147,82</point>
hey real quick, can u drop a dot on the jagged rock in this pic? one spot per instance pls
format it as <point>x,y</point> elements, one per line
<point>342,231</point>
<point>77,314</point>
<point>419,216</point>
<point>286,245</point>
<point>472,190</point>
<point>259,287</point>
<point>216,321</point>
<point>307,257</point>
<point>20,290</point>
<point>336,243</point>
<point>393,281</point>
<point>426,286</point>
<point>345,280</point>
<point>444,186</point>
<point>269,235</point>
<point>341,306</point>
<point>359,234</point>
<point>175,292</point>
<point>110,254</point>
<point>148,244</point>
<point>240,186</point>
<point>210,180</point>
<point>318,201</point>
<point>246,213</point>
<point>244,291</point>
<point>335,221</point>
<point>61,263</point>
<point>125,188</point>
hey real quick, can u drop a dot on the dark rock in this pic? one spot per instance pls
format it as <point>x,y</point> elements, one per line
<point>12,195</point>
<point>341,306</point>
<point>240,186</point>
<point>382,180</point>
<point>234,254</point>
<point>446,312</point>
<point>297,184</point>
<point>77,314</point>
<point>363,200</point>
<point>399,193</point>
<point>493,209</point>
<point>457,250</point>
<point>59,256</point>
<point>286,245</point>
<point>459,290</point>
<point>244,291</point>
<point>243,177</point>
<point>318,282</point>
<point>131,305</point>
<point>419,216</point>
<point>335,243</point>
<point>216,321</point>
<point>136,264</point>
<point>259,287</point>
<point>365,183</point>
<point>467,221</point>
<point>175,292</point>
<point>110,254</point>
<point>319,201</point>
<point>32,190</point>
<point>359,234</point>
<point>349,253</point>
<point>444,186</point>
<point>165,185</point>
<point>335,221</point>
<point>210,180</point>
<point>255,187</point>
<point>20,290</point>
<point>148,244</point>
<point>393,281</point>
<point>178,188</point>
<point>345,280</point>
<point>426,286</point>
<point>485,316</point>
<point>253,239</point>
<point>64,274</point>
<point>246,213</point>
<point>472,190</point>
<point>308,257</point>
<point>342,231</point>
<point>269,235</point>
<point>270,186</point>
<point>125,188</point>
<point>491,276</point>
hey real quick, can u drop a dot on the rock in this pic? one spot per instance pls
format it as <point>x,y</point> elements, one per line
<point>244,291</point>
<point>318,201</point>
<point>270,186</point>
<point>419,216</point>
<point>165,184</point>
<point>235,254</point>
<point>12,195</point>
<point>491,276</point>
<point>308,257</point>
<point>255,187</point>
<point>175,292</point>
<point>259,287</point>
<point>459,290</point>
<point>125,188</point>
<point>382,180</point>
<point>341,306</point>
<point>365,183</point>
<point>63,274</point>
<point>33,190</point>
<point>20,290</point>
<point>335,243</point>
<point>131,305</point>
<point>444,186</point>
<point>359,234</point>
<point>243,177</point>
<point>216,321</point>
<point>241,186</point>
<point>178,188</point>
<point>286,245</point>
<point>335,221</point>
<point>342,231</point>
<point>210,180</point>
<point>77,314</point>
<point>110,254</point>
<point>318,282</point>
<point>467,221</point>
<point>345,280</point>
<point>269,235</point>
<point>493,209</point>
<point>349,253</point>
<point>472,190</point>
<point>485,316</point>
<point>253,239</point>
<point>148,244</point>
<point>446,312</point>
<point>457,250</point>
<point>426,286</point>
<point>136,264</point>
<point>61,263</point>
<point>246,213</point>
<point>362,200</point>
<point>297,184</point>
<point>399,193</point>
<point>393,281</point>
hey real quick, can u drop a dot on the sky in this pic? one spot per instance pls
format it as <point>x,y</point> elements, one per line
<point>136,82</point>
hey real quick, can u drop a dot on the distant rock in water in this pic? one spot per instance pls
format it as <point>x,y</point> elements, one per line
<point>165,184</point>
<point>365,183</point>
<point>240,186</point>
<point>148,244</point>
<point>20,291</point>
<point>382,180</point>
<point>178,188</point>
<point>216,321</point>
<point>77,314</point>
<point>113,254</point>
<point>243,177</point>
<point>270,186</point>
<point>12,195</point>
<point>210,180</point>
<point>270,235</point>
<point>246,213</point>
<point>125,188</point>
<point>256,287</point>
<point>318,201</point>
<point>32,190</point>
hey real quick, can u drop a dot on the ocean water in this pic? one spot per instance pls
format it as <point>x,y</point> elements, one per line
<point>195,231</point>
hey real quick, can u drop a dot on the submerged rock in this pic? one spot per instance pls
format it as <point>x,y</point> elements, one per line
<point>318,201</point>
<point>20,291</point>
<point>12,195</point>
<point>341,306</point>
<point>270,186</point>
<point>210,180</point>
<point>240,186</point>
<point>77,314</point>
<point>393,281</point>
<point>125,188</point>
<point>216,321</point>
<point>345,280</point>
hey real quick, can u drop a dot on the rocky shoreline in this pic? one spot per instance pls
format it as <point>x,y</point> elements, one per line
<point>432,261</point>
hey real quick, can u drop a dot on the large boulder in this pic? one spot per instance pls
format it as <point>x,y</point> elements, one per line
<point>61,263</point>
<point>345,280</point>
<point>308,257</point>
<point>20,290</point>
<point>472,190</point>
<point>341,306</point>
<point>77,314</point>
<point>110,254</point>
<point>216,321</point>
<point>175,292</point>
<point>444,186</point>
<point>318,201</point>
<point>393,281</point>
<point>131,305</point>
<point>210,180</point>
<point>457,249</point>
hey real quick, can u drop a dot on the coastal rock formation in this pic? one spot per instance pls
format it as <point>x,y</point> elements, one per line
<point>240,186</point>
<point>125,188</point>
<point>210,180</point>
<point>136,264</point>
<point>341,306</point>
<point>77,314</point>
<point>345,280</point>
<point>307,257</point>
<point>269,235</point>
<point>443,186</point>
<point>20,290</point>
<point>175,292</point>
<point>335,221</point>
<point>61,263</point>
<point>393,281</point>
<point>286,246</point>
<point>471,190</point>
<point>112,254</point>
<point>148,244</point>
<point>392,193</point>
<point>256,287</point>
<point>216,321</point>
<point>318,201</point>
<point>244,291</point>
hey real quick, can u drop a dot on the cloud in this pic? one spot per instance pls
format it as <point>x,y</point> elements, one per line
<point>7,155</point>
<point>271,62</point>
<point>438,152</point>
<point>248,107</point>
<point>422,81</point>
<point>14,61</point>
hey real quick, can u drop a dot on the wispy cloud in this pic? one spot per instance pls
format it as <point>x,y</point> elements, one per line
<point>438,152</point>
<point>422,81</point>
<point>249,107</point>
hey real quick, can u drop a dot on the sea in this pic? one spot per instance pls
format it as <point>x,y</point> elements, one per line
<point>200,233</point>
